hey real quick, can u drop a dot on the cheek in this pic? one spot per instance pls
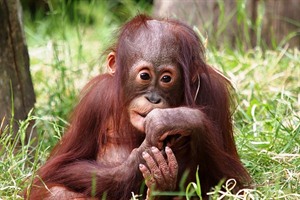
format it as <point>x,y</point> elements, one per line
<point>175,97</point>
<point>179,93</point>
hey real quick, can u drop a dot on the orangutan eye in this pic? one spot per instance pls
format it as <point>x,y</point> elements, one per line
<point>144,76</point>
<point>166,79</point>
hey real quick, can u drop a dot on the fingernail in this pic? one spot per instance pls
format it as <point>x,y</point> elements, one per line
<point>168,149</point>
<point>141,166</point>
<point>154,149</point>
<point>145,154</point>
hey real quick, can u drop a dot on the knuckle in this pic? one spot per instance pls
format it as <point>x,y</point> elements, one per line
<point>165,170</point>
<point>157,176</point>
<point>156,111</point>
<point>156,172</point>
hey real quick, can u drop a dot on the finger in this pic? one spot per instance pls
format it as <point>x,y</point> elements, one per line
<point>172,162</point>
<point>161,161</point>
<point>164,136</point>
<point>154,169</point>
<point>150,161</point>
<point>145,171</point>
<point>149,180</point>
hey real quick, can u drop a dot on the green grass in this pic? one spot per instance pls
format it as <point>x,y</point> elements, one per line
<point>267,118</point>
<point>66,52</point>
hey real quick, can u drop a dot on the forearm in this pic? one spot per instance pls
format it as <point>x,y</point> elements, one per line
<point>95,178</point>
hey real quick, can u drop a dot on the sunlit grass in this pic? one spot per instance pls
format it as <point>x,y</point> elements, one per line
<point>267,117</point>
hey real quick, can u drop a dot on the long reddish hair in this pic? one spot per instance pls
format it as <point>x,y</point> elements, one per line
<point>103,101</point>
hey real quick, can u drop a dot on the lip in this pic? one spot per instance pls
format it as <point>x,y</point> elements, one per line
<point>142,114</point>
<point>138,119</point>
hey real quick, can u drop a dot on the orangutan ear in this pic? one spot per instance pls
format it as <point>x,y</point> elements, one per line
<point>111,61</point>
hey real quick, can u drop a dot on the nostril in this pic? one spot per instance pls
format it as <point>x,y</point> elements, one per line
<point>156,101</point>
<point>153,99</point>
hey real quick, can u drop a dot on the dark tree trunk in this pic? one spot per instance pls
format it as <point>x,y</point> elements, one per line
<point>16,90</point>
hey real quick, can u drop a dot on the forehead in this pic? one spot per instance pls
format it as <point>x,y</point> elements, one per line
<point>154,43</point>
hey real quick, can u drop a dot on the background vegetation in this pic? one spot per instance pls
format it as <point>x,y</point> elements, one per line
<point>65,46</point>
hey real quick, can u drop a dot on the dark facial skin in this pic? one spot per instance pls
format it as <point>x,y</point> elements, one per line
<point>153,76</point>
<point>157,85</point>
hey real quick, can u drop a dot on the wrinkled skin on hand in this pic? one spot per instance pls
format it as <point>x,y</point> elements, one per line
<point>160,173</point>
<point>161,123</point>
